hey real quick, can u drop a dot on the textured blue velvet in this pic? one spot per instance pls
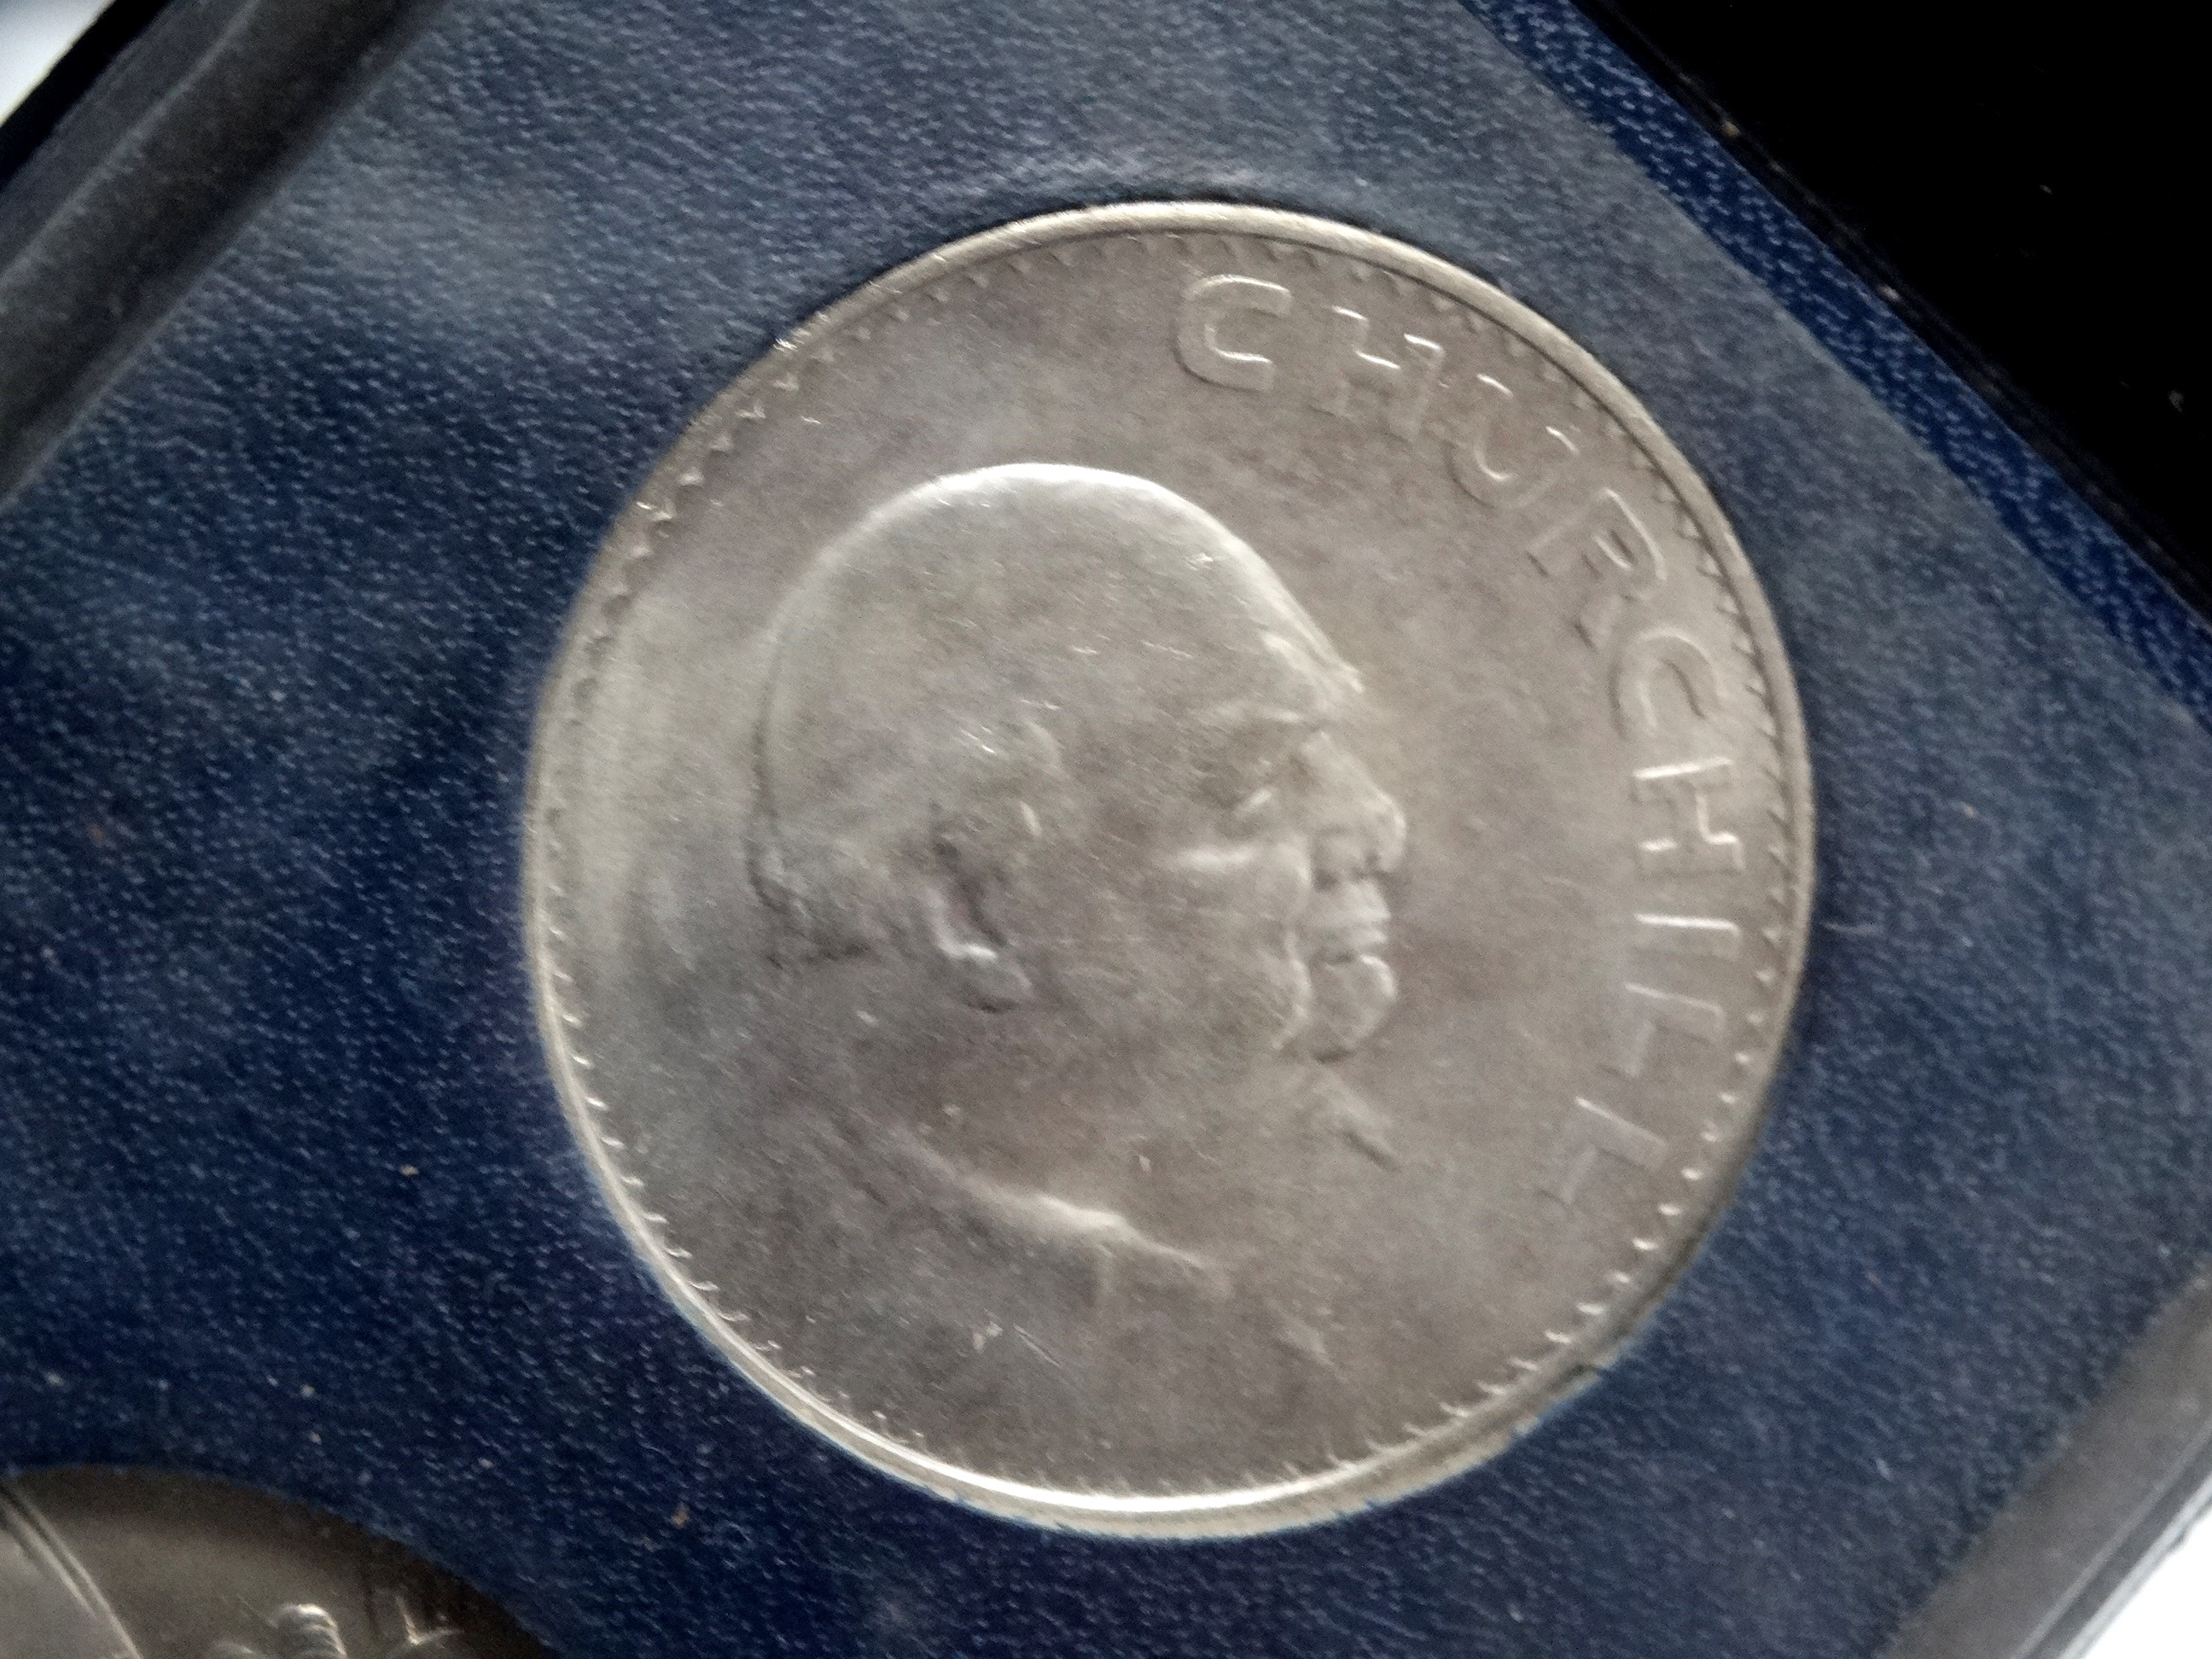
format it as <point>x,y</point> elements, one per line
<point>285,1193</point>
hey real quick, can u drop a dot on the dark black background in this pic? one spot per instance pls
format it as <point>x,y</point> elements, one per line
<point>2024,184</point>
<point>2028,184</point>
<point>28,123</point>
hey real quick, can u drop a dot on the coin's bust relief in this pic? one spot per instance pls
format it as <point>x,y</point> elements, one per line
<point>1081,888</point>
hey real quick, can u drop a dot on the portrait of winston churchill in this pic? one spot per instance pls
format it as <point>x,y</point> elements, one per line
<point>1075,895</point>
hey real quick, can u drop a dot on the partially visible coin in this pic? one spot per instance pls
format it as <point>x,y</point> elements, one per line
<point>98,1564</point>
<point>1168,859</point>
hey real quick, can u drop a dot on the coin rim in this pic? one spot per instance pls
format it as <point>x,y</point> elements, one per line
<point>1436,1453</point>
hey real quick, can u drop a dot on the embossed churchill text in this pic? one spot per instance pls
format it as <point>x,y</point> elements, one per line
<point>1167,861</point>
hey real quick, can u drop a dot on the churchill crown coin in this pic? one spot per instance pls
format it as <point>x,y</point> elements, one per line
<point>1167,859</point>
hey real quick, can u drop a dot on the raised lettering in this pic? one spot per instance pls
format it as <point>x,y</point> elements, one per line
<point>1589,1131</point>
<point>1695,848</point>
<point>1405,386</point>
<point>1689,936</point>
<point>1646,1012</point>
<point>1475,461</point>
<point>303,1632</point>
<point>1208,303</point>
<point>1643,660</point>
<point>418,1631</point>
<point>1606,538</point>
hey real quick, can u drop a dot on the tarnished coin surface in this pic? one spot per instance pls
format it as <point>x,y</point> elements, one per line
<point>102,1564</point>
<point>1167,858</point>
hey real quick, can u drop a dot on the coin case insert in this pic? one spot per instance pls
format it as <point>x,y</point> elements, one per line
<point>285,1192</point>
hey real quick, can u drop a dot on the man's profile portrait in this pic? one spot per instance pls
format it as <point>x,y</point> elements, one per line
<point>1075,894</point>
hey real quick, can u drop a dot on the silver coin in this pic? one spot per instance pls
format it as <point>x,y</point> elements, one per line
<point>102,1564</point>
<point>1167,857</point>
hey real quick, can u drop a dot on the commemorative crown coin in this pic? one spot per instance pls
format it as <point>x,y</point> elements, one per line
<point>1167,859</point>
